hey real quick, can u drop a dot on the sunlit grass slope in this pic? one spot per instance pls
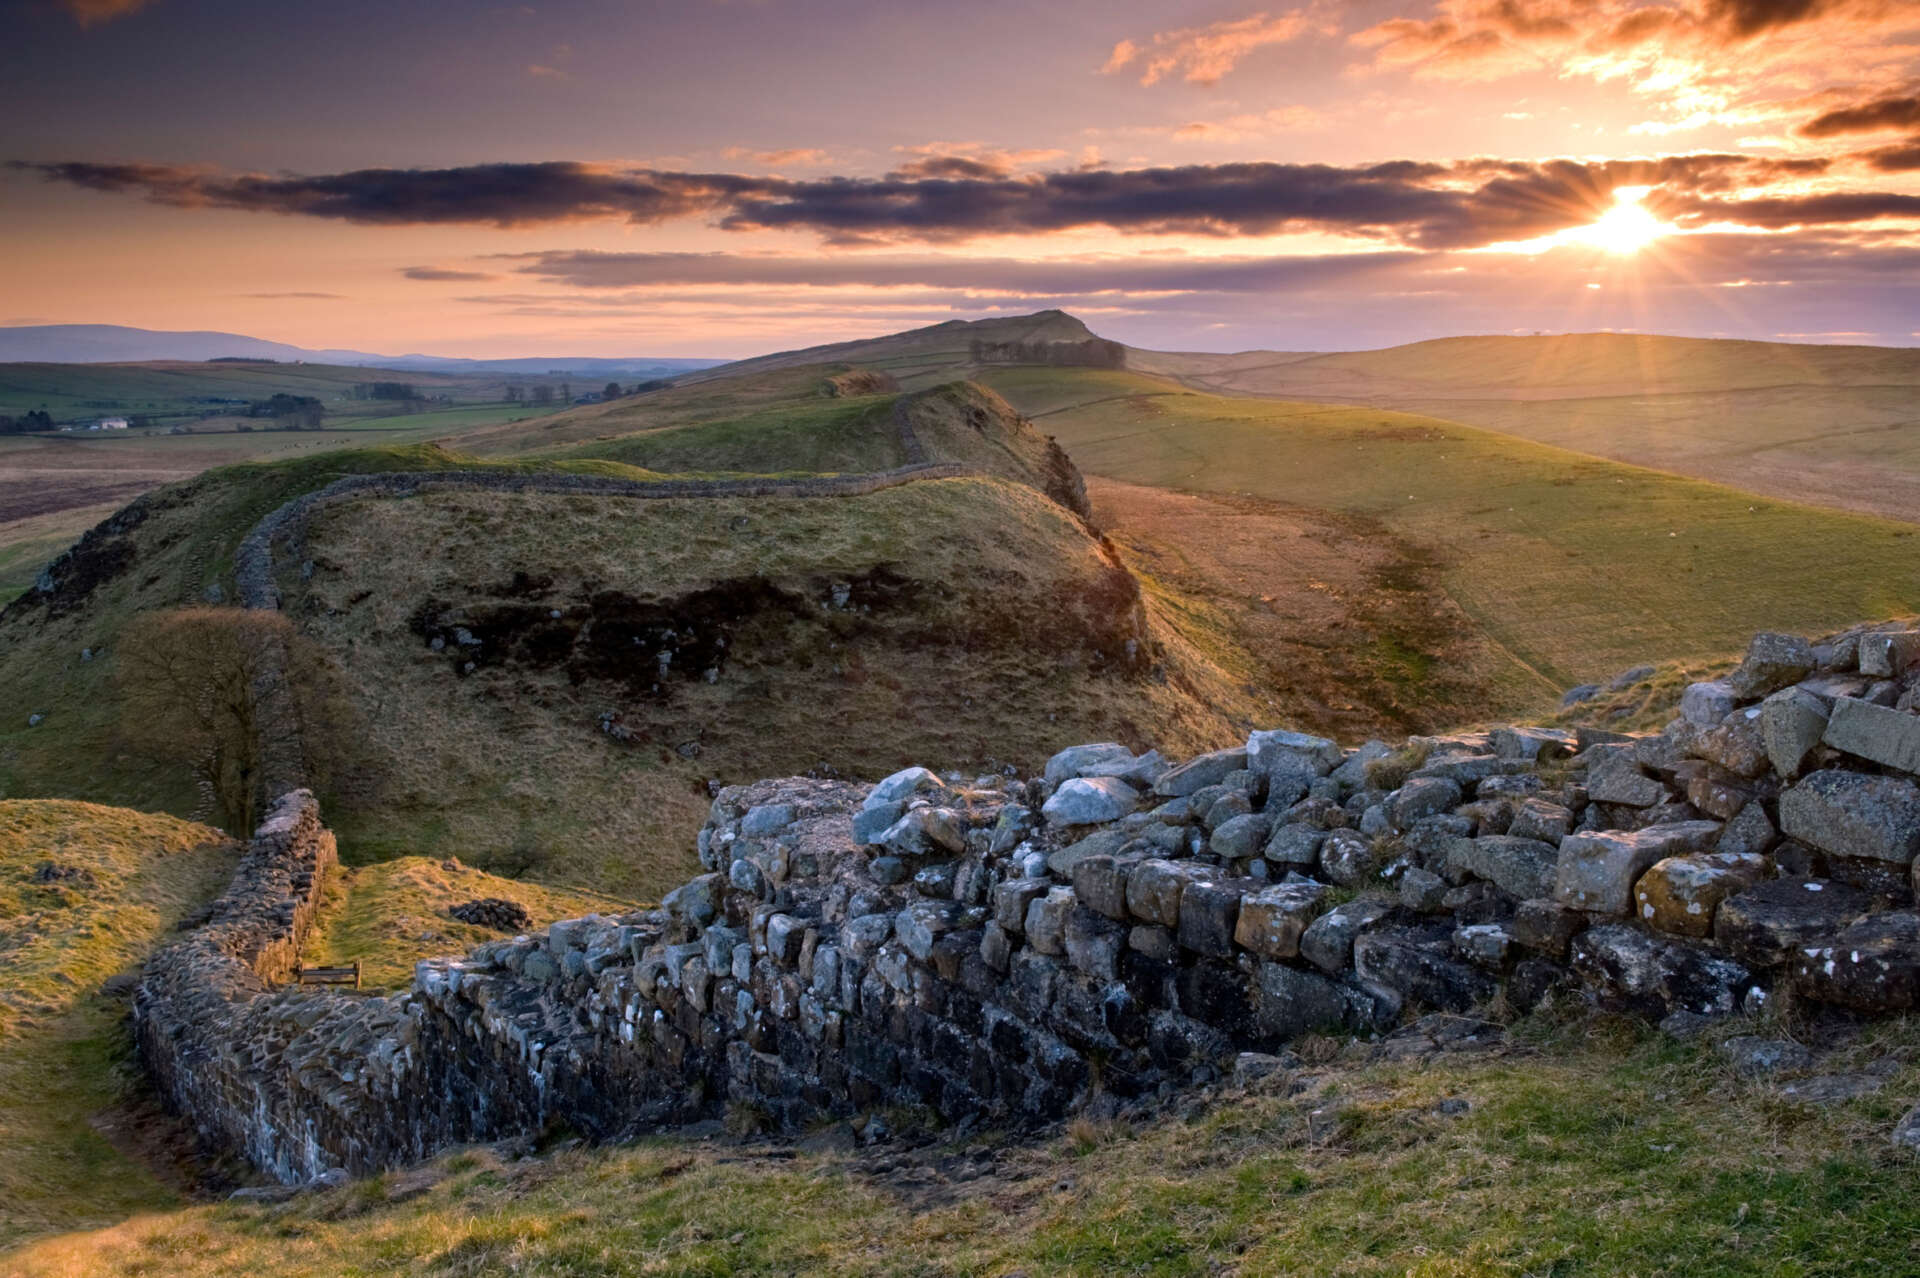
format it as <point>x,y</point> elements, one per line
<point>1571,567</point>
<point>390,915</point>
<point>1591,1149</point>
<point>85,893</point>
<point>969,643</point>
<point>184,548</point>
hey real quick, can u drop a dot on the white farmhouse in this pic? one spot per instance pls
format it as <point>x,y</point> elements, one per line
<point>109,423</point>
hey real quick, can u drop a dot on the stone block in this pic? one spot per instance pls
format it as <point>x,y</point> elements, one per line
<point>1772,662</point>
<point>1289,1002</point>
<point>1207,769</point>
<point>1617,779</point>
<point>1485,945</point>
<point>1722,795</point>
<point>1680,894</point>
<point>1597,869</point>
<point>1011,899</point>
<point>1422,891</point>
<point>1546,925</point>
<point>1154,889</point>
<point>1100,882</point>
<point>1520,867</point>
<point>918,926</point>
<point>1888,654</point>
<point>1736,745</point>
<point>1791,725</point>
<point>1414,962</point>
<point>1853,814</point>
<point>1106,758</point>
<point>903,785</point>
<point>1295,845</point>
<point>764,820</point>
<point>1348,859</point>
<point>996,947</point>
<point>1633,971</point>
<point>784,937</point>
<point>1242,837</point>
<point>1767,923</point>
<point>1046,921</point>
<point>1328,941</point>
<point>1090,801</point>
<point>1104,841</point>
<point>1871,966</point>
<point>1093,943</point>
<point>1750,832</point>
<point>1706,704</point>
<point>1875,733</point>
<point>1272,920</point>
<point>1153,941</point>
<point>1277,752</point>
<point>1532,744</point>
<point>1208,914</point>
<point>1422,797</point>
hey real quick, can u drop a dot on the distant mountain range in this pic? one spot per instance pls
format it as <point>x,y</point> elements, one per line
<point>117,344</point>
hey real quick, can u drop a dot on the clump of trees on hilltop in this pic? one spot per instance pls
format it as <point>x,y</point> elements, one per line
<point>1095,352</point>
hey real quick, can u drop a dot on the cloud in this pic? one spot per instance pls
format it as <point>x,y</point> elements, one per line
<point>437,273</point>
<point>1204,55</point>
<point>1418,204</point>
<point>1892,111</point>
<point>806,156</point>
<point>92,12</point>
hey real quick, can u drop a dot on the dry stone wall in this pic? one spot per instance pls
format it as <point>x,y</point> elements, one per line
<point>1007,949</point>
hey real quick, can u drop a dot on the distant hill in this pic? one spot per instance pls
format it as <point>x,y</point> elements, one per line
<point>118,344</point>
<point>920,356</point>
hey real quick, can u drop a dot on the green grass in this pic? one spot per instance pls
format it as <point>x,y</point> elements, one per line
<point>819,435</point>
<point>1589,1148</point>
<point>63,1049</point>
<point>390,915</point>
<point>1568,566</point>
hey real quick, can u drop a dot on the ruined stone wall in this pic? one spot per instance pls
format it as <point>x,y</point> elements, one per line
<point>1006,950</point>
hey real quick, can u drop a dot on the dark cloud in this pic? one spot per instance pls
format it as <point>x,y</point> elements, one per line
<point>1402,202</point>
<point>1746,18</point>
<point>436,273</point>
<point>1894,111</point>
<point>964,167</point>
<point>1831,208</point>
<point>1901,157</point>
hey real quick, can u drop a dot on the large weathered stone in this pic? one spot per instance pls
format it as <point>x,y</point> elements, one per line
<point>1348,859</point>
<point>1295,845</point>
<point>1532,744</point>
<point>924,832</point>
<point>1090,801</point>
<point>1791,725</point>
<point>918,927</point>
<point>1272,920</point>
<point>1100,882</point>
<point>1413,961</point>
<point>1240,838</point>
<point>903,785</point>
<point>1887,654</point>
<point>1422,797</point>
<point>1597,869</point>
<point>1011,899</point>
<point>1630,970</point>
<point>1706,704</point>
<point>1289,1002</point>
<point>1852,814</point>
<point>1871,966</point>
<point>1194,774</point>
<point>1519,867</point>
<point>1867,731</point>
<point>1546,926</point>
<point>1764,925</point>
<point>1276,752</point>
<point>1088,760</point>
<point>1208,913</point>
<point>1328,941</point>
<point>1541,819</point>
<point>1093,943</point>
<point>1046,921</point>
<point>1104,841</point>
<point>1680,894</point>
<point>1772,662</point>
<point>1154,888</point>
<point>1735,745</point>
<point>1618,779</point>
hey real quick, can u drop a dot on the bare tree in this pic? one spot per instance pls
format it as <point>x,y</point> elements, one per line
<point>191,686</point>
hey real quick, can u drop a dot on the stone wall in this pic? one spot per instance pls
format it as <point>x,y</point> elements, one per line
<point>1007,949</point>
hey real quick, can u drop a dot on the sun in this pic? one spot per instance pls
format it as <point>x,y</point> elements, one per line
<point>1627,227</point>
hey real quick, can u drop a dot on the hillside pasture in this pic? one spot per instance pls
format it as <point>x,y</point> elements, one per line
<point>1567,566</point>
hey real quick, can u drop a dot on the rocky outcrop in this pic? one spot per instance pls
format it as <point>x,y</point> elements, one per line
<point>1124,925</point>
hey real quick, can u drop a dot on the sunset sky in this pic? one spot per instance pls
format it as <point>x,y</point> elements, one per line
<point>724,177</point>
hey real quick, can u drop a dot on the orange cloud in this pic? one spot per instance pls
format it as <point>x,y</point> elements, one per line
<point>1203,55</point>
<point>92,12</point>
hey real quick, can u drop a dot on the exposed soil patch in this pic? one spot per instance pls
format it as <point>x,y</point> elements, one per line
<point>1350,631</point>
